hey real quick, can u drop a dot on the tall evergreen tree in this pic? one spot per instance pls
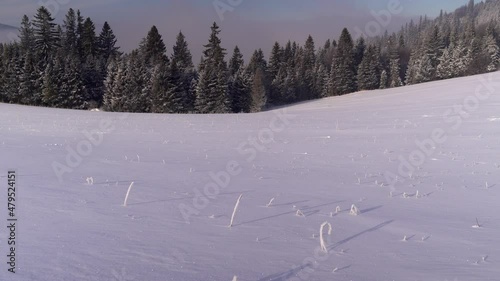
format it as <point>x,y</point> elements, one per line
<point>50,87</point>
<point>369,70</point>
<point>184,63</point>
<point>240,91</point>
<point>493,52</point>
<point>88,39</point>
<point>182,54</point>
<point>106,44</point>
<point>359,52</point>
<point>236,62</point>
<point>70,38</point>
<point>153,47</point>
<point>45,34</point>
<point>343,77</point>
<point>26,35</point>
<point>212,89</point>
<point>29,89</point>
<point>167,89</point>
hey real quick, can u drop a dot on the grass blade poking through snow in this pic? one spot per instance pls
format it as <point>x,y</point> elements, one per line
<point>354,211</point>
<point>128,193</point>
<point>234,211</point>
<point>321,240</point>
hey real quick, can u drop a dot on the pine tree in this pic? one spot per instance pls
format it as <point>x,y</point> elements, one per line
<point>88,39</point>
<point>212,91</point>
<point>79,33</point>
<point>257,61</point>
<point>413,68</point>
<point>182,55</point>
<point>12,72</point>
<point>110,84</point>
<point>93,80</point>
<point>460,59</point>
<point>394,79</point>
<point>445,67</point>
<point>137,90</point>
<point>50,87</point>
<point>236,62</point>
<point>431,55</point>
<point>492,51</point>
<point>70,38</point>
<point>167,89</point>
<point>72,90</point>
<point>106,44</point>
<point>426,71</point>
<point>369,70</point>
<point>276,63</point>
<point>45,34</point>
<point>184,63</point>
<point>359,52</point>
<point>240,91</point>
<point>26,35</point>
<point>153,48</point>
<point>343,77</point>
<point>478,59</point>
<point>237,81</point>
<point>29,90</point>
<point>308,71</point>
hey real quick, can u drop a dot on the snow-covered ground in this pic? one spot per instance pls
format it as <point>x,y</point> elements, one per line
<point>189,170</point>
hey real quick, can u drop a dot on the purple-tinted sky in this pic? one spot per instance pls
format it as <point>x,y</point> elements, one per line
<point>250,24</point>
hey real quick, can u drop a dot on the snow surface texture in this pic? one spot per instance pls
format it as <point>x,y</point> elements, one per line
<point>310,157</point>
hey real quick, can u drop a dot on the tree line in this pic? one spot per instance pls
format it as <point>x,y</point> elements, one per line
<point>71,66</point>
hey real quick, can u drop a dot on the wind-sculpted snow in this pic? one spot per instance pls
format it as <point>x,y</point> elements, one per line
<point>419,164</point>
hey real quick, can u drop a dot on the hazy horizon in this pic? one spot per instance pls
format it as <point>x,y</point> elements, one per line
<point>250,25</point>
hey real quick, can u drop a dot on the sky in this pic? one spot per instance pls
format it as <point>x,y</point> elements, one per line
<point>250,24</point>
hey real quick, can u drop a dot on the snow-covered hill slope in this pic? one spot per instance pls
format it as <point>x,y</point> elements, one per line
<point>371,149</point>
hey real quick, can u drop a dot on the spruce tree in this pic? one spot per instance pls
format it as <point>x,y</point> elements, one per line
<point>236,62</point>
<point>26,35</point>
<point>184,62</point>
<point>70,37</point>
<point>308,71</point>
<point>50,87</point>
<point>45,34</point>
<point>72,90</point>
<point>343,77</point>
<point>106,44</point>
<point>240,90</point>
<point>276,63</point>
<point>109,99</point>
<point>445,67</point>
<point>88,39</point>
<point>29,89</point>
<point>153,48</point>
<point>492,51</point>
<point>369,70</point>
<point>359,52</point>
<point>212,91</point>
<point>166,88</point>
